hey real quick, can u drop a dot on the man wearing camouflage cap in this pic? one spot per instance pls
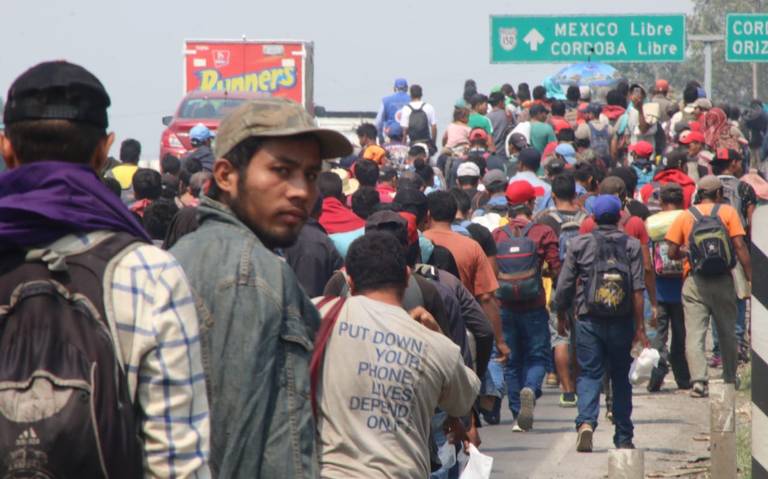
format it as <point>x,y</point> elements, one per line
<point>258,325</point>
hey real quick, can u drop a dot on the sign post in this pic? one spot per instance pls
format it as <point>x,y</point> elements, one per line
<point>746,37</point>
<point>568,39</point>
<point>759,336</point>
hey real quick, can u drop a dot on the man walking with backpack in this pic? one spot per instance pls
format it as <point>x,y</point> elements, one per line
<point>741,195</point>
<point>602,280</point>
<point>418,120</point>
<point>523,248</point>
<point>391,105</point>
<point>565,219</point>
<point>713,237</point>
<point>100,336</point>
<point>670,322</point>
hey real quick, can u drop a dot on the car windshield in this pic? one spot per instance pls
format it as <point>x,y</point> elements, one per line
<point>208,107</point>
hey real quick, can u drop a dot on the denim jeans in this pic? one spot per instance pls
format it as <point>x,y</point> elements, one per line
<point>493,382</point>
<point>601,344</point>
<point>527,335</point>
<point>439,436</point>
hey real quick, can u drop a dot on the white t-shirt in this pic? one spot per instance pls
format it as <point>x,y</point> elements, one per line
<point>405,113</point>
<point>383,376</point>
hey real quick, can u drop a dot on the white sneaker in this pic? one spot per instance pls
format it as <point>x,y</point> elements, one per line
<point>515,427</point>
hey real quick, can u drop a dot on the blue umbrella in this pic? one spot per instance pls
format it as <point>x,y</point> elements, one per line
<point>590,73</point>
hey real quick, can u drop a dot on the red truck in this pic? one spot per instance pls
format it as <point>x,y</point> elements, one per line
<point>219,74</point>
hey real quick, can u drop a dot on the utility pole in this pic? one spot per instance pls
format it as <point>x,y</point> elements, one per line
<point>708,41</point>
<point>754,81</point>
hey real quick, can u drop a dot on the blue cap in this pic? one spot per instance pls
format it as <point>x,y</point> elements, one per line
<point>497,201</point>
<point>200,132</point>
<point>401,83</point>
<point>566,151</point>
<point>606,205</point>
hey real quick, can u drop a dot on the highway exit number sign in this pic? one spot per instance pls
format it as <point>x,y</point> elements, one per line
<point>746,38</point>
<point>553,39</point>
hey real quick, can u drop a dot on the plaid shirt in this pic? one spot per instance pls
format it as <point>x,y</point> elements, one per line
<point>151,311</point>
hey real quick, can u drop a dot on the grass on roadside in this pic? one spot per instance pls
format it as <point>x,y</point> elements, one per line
<point>744,425</point>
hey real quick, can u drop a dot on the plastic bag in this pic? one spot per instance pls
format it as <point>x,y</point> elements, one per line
<point>478,465</point>
<point>658,224</point>
<point>447,455</point>
<point>643,365</point>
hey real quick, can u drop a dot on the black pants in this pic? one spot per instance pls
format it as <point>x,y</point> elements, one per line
<point>671,322</point>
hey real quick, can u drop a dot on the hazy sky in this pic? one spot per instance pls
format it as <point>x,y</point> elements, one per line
<point>135,47</point>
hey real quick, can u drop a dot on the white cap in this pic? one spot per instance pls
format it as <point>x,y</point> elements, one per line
<point>468,168</point>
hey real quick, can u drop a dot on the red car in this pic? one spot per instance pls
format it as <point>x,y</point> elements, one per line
<point>206,107</point>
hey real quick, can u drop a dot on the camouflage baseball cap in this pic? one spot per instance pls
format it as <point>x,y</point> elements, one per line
<point>276,117</point>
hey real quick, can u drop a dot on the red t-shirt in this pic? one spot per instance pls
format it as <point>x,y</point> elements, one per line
<point>632,225</point>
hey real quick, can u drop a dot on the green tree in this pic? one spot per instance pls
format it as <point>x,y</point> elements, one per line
<point>731,82</point>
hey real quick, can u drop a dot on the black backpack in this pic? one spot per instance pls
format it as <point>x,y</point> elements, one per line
<point>609,286</point>
<point>418,124</point>
<point>710,249</point>
<point>65,407</point>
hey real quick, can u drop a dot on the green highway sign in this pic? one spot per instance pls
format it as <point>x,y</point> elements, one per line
<point>746,37</point>
<point>576,38</point>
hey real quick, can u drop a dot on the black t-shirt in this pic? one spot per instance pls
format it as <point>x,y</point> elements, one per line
<point>481,234</point>
<point>183,223</point>
<point>313,258</point>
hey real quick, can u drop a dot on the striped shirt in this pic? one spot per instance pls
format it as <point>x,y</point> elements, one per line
<point>151,311</point>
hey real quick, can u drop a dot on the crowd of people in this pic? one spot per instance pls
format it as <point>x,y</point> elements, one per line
<point>279,303</point>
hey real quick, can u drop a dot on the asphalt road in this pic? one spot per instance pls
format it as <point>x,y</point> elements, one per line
<point>666,424</point>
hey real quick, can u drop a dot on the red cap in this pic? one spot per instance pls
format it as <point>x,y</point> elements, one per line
<point>549,150</point>
<point>519,192</point>
<point>694,125</point>
<point>478,134</point>
<point>686,138</point>
<point>642,149</point>
<point>662,85</point>
<point>413,233</point>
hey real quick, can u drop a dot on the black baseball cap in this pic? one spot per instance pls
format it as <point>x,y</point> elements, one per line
<point>530,157</point>
<point>57,90</point>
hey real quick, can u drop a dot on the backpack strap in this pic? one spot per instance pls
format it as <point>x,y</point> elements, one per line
<point>327,324</point>
<point>715,209</point>
<point>697,216</point>
<point>427,271</point>
<point>527,228</point>
<point>507,229</point>
<point>552,212</point>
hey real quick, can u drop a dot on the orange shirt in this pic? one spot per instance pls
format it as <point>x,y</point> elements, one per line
<point>474,267</point>
<point>683,225</point>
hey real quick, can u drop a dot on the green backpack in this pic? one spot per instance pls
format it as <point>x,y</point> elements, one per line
<point>710,249</point>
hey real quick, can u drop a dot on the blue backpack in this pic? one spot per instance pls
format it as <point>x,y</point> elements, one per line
<point>519,266</point>
<point>462,227</point>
